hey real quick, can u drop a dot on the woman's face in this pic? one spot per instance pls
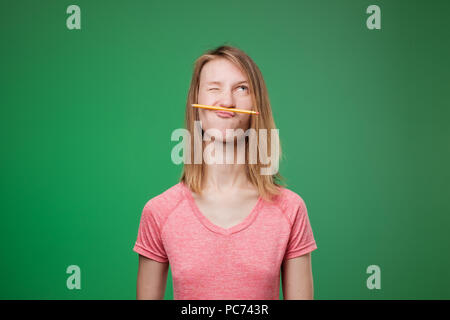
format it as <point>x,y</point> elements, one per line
<point>223,84</point>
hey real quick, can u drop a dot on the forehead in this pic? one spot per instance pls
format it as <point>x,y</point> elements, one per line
<point>221,70</point>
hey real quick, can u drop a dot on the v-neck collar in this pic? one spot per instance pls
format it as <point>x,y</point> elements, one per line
<point>215,228</point>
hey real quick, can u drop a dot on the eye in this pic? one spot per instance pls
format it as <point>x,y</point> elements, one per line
<point>210,89</point>
<point>242,86</point>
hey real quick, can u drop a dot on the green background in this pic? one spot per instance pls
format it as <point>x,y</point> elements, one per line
<point>87,115</point>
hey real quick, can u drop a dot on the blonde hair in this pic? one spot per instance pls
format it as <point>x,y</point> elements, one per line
<point>192,174</point>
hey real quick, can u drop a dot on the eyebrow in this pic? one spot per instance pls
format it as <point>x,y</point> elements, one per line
<point>218,82</point>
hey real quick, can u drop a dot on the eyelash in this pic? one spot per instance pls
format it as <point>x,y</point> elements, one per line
<point>238,87</point>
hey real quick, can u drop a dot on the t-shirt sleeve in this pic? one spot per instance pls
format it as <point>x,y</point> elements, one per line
<point>301,238</point>
<point>149,242</point>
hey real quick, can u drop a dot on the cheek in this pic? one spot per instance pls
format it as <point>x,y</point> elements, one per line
<point>202,116</point>
<point>203,98</point>
<point>207,119</point>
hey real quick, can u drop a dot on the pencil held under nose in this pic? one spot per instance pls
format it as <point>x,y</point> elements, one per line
<point>224,109</point>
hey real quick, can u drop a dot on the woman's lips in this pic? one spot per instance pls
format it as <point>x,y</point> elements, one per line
<point>225,114</point>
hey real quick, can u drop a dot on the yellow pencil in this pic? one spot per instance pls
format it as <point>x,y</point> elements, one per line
<point>224,109</point>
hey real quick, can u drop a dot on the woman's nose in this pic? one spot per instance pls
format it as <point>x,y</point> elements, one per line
<point>226,100</point>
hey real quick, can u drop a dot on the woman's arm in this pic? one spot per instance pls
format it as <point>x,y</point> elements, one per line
<point>297,280</point>
<point>151,279</point>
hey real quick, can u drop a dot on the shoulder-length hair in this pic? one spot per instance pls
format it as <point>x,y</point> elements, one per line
<point>193,173</point>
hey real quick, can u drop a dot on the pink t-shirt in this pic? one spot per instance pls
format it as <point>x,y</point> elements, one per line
<point>209,262</point>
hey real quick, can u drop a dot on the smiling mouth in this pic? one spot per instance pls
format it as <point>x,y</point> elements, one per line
<point>225,114</point>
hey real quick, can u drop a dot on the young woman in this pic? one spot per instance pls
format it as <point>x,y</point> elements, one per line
<point>226,229</point>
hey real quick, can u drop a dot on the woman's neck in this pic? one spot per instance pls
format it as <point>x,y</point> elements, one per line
<point>227,175</point>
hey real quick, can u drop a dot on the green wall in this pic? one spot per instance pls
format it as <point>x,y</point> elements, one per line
<point>86,119</point>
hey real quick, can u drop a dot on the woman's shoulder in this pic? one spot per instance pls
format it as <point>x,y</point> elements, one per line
<point>288,195</point>
<point>289,200</point>
<point>165,201</point>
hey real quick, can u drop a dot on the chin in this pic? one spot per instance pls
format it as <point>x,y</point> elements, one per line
<point>224,137</point>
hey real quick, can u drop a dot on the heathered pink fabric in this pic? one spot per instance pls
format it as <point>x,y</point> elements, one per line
<point>209,262</point>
